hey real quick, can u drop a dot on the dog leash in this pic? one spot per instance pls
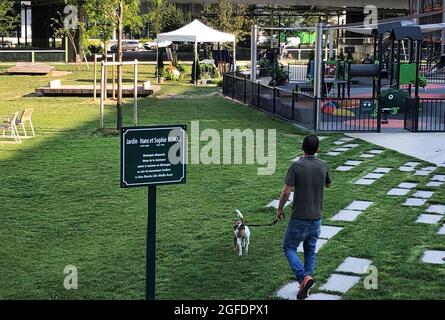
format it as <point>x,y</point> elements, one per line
<point>264,225</point>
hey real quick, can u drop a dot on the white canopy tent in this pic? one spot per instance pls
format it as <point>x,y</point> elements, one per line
<point>197,32</point>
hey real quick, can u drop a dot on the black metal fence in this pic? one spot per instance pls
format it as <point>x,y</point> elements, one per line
<point>290,105</point>
<point>349,114</point>
<point>425,115</point>
<point>432,72</point>
<point>342,114</point>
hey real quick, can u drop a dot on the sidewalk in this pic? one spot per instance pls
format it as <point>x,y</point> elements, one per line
<point>425,146</point>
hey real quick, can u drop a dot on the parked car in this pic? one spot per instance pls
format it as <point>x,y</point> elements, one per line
<point>127,45</point>
<point>150,45</point>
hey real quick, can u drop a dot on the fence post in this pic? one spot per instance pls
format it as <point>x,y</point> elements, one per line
<point>379,114</point>
<point>233,87</point>
<point>245,90</point>
<point>293,105</point>
<point>274,100</point>
<point>416,114</point>
<point>315,114</point>
<point>258,95</point>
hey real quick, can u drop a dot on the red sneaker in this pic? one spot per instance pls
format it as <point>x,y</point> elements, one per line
<point>307,283</point>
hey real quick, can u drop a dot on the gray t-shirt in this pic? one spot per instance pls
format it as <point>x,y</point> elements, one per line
<point>308,176</point>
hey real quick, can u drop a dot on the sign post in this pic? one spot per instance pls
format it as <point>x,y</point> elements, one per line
<point>152,156</point>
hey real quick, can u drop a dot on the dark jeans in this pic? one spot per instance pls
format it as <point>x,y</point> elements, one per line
<point>301,231</point>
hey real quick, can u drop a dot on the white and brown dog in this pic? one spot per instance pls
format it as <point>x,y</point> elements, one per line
<point>242,235</point>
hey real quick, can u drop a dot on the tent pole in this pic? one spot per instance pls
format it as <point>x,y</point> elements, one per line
<point>196,61</point>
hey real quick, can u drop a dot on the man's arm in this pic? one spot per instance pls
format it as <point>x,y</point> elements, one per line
<point>327,181</point>
<point>283,199</point>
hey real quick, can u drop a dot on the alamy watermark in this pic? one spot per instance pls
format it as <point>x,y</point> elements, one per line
<point>231,146</point>
<point>70,281</point>
<point>371,280</point>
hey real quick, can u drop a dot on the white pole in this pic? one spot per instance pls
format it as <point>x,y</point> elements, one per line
<point>157,62</point>
<point>253,52</point>
<point>331,44</point>
<point>442,34</point>
<point>113,75</point>
<point>95,77</point>
<point>102,95</point>
<point>135,92</point>
<point>318,70</point>
<point>196,61</point>
<point>234,58</point>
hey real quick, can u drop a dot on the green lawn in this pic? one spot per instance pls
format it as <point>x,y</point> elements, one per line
<point>61,205</point>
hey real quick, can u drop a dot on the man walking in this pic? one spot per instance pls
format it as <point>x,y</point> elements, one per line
<point>307,178</point>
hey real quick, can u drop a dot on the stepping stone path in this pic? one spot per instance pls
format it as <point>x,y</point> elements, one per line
<point>434,256</point>
<point>433,214</point>
<point>398,192</point>
<point>423,194</point>
<point>439,177</point>
<point>441,230</point>
<point>436,208</point>
<point>371,153</point>
<point>354,265</point>
<point>343,283</point>
<point>343,148</point>
<point>428,218</point>
<point>414,202</point>
<point>434,184</point>
<point>340,283</point>
<point>326,233</point>
<point>407,185</point>
<point>274,203</point>
<point>370,178</point>
<point>351,212</point>
<point>337,282</point>
<point>350,164</point>
<point>343,141</point>
<point>409,166</point>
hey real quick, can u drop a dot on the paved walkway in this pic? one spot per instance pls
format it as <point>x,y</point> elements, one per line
<point>425,146</point>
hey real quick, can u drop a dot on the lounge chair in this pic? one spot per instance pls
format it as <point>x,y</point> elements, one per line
<point>10,124</point>
<point>26,117</point>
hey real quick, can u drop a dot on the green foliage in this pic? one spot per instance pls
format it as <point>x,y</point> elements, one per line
<point>422,81</point>
<point>181,68</point>
<point>102,19</point>
<point>264,65</point>
<point>281,76</point>
<point>164,17</point>
<point>223,17</point>
<point>9,17</point>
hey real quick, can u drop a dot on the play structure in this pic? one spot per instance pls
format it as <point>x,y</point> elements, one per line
<point>342,93</point>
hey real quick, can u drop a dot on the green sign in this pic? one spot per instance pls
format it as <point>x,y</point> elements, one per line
<point>153,155</point>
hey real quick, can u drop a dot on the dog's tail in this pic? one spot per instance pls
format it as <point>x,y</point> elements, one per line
<point>240,215</point>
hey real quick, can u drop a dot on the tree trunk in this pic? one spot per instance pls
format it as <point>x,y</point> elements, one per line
<point>119,67</point>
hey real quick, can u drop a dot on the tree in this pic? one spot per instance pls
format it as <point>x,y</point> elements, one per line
<point>225,17</point>
<point>164,17</point>
<point>9,18</point>
<point>104,17</point>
